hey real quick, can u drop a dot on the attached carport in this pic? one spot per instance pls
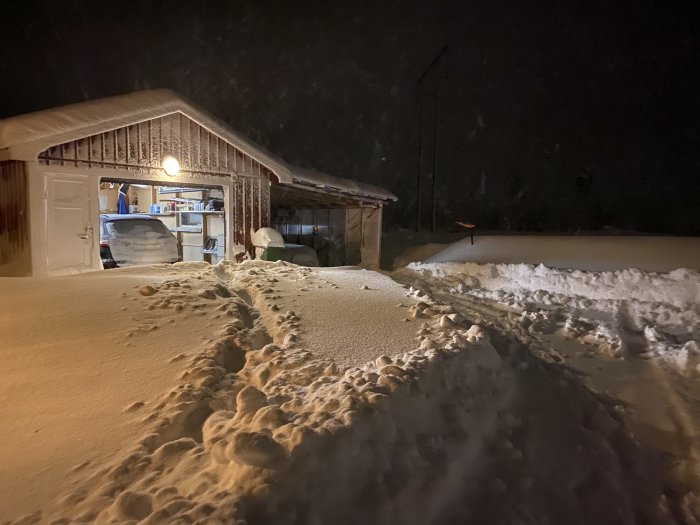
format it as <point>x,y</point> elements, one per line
<point>339,218</point>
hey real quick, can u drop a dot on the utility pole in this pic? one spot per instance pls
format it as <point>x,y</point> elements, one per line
<point>435,65</point>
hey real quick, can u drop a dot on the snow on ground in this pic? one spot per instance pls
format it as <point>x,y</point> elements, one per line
<point>582,252</point>
<point>625,312</point>
<point>417,253</point>
<point>350,315</point>
<point>261,398</point>
<point>77,354</point>
<point>632,335</point>
<point>92,361</point>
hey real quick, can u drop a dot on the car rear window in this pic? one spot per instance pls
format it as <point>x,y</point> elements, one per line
<point>136,227</point>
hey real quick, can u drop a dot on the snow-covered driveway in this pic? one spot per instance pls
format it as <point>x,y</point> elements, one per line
<point>349,315</point>
<point>272,393</point>
<point>77,353</point>
<point>91,361</point>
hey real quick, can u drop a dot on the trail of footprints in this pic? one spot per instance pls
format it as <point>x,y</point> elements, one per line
<point>249,399</point>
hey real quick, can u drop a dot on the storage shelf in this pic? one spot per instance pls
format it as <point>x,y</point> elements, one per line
<point>162,191</point>
<point>170,214</point>
<point>192,226</point>
<point>202,212</point>
<point>186,229</point>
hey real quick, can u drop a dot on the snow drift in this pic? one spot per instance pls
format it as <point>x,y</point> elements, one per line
<point>583,252</point>
<point>619,312</point>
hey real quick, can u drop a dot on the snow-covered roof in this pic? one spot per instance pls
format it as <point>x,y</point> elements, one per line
<point>308,177</point>
<point>24,137</point>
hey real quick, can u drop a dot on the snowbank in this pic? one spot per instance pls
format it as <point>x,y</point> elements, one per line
<point>582,252</point>
<point>680,288</point>
<point>418,253</point>
<point>619,312</point>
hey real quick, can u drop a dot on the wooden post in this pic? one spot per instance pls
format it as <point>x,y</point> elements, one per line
<point>470,227</point>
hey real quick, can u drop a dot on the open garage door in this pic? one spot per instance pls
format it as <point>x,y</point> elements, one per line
<point>148,223</point>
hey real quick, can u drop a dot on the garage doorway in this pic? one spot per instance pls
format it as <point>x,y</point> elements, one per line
<point>145,222</point>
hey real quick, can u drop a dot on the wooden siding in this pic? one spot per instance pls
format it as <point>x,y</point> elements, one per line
<point>238,212</point>
<point>140,148</point>
<point>14,219</point>
<point>143,146</point>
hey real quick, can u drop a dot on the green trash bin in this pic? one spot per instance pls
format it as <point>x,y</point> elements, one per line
<point>270,254</point>
<point>268,244</point>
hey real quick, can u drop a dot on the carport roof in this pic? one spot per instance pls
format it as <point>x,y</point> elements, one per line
<point>24,137</point>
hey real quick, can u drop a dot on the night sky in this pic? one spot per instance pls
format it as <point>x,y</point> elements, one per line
<point>553,116</point>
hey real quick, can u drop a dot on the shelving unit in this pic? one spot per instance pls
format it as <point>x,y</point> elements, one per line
<point>187,228</point>
<point>193,228</point>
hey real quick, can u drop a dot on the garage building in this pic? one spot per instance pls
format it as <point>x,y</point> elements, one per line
<point>61,168</point>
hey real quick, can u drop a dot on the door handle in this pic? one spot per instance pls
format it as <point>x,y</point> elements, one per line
<point>86,234</point>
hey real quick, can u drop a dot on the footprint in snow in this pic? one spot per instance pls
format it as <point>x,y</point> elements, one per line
<point>207,294</point>
<point>81,466</point>
<point>133,407</point>
<point>147,291</point>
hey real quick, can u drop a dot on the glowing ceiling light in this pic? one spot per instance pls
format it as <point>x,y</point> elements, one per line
<point>171,165</point>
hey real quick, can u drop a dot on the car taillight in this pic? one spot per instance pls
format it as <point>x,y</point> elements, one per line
<point>106,256</point>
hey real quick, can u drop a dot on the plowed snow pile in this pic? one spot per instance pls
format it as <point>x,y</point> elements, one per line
<point>271,393</point>
<point>622,313</point>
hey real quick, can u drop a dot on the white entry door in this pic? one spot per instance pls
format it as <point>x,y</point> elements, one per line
<point>69,228</point>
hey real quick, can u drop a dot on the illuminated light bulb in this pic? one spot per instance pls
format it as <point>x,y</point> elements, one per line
<point>171,165</point>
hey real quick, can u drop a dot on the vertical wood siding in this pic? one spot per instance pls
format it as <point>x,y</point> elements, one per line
<point>14,218</point>
<point>239,212</point>
<point>143,146</point>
